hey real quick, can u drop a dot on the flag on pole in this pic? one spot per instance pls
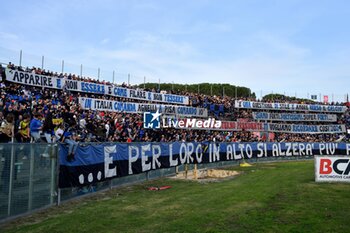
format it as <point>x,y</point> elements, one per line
<point>314,97</point>
<point>325,98</point>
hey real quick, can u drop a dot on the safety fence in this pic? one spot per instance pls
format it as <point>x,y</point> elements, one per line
<point>29,178</point>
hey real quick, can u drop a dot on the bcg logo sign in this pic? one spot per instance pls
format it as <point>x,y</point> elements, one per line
<point>338,166</point>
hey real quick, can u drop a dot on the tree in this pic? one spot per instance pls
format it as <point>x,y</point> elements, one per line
<point>217,89</point>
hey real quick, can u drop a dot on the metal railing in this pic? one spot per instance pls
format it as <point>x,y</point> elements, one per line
<point>28,175</point>
<point>29,178</point>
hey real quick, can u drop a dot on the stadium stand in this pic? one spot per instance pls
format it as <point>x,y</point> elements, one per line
<point>36,103</point>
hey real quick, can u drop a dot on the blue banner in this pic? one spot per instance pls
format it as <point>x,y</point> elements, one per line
<point>95,163</point>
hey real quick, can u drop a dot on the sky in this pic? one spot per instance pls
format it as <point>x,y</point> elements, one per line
<point>293,47</point>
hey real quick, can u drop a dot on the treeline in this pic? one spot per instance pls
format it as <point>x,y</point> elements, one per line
<point>203,88</point>
<point>276,97</point>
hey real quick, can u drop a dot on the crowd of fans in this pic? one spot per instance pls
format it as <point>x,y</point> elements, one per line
<point>35,114</point>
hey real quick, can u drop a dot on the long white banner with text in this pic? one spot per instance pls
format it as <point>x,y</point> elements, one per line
<point>290,106</point>
<point>129,107</point>
<point>269,116</point>
<point>31,79</point>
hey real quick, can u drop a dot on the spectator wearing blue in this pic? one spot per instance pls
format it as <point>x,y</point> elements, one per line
<point>35,127</point>
<point>70,137</point>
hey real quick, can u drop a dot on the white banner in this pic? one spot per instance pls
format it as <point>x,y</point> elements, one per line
<point>122,92</point>
<point>312,129</point>
<point>290,106</point>
<point>333,168</point>
<point>87,87</point>
<point>149,96</point>
<point>95,88</point>
<point>33,79</point>
<point>269,116</point>
<point>129,107</point>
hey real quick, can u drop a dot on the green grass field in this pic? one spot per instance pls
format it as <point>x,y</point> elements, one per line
<point>274,197</point>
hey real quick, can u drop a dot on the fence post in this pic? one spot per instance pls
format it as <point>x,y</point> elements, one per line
<point>11,180</point>
<point>31,174</point>
<point>195,172</point>
<point>53,159</point>
<point>20,57</point>
<point>62,66</point>
<point>57,176</point>
<point>42,62</point>
<point>58,197</point>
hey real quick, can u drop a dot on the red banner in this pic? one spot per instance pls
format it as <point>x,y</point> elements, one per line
<point>212,124</point>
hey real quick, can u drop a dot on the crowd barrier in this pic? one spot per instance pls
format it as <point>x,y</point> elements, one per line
<point>29,177</point>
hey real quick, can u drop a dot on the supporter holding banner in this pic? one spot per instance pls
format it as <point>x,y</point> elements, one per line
<point>129,107</point>
<point>290,106</point>
<point>269,116</point>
